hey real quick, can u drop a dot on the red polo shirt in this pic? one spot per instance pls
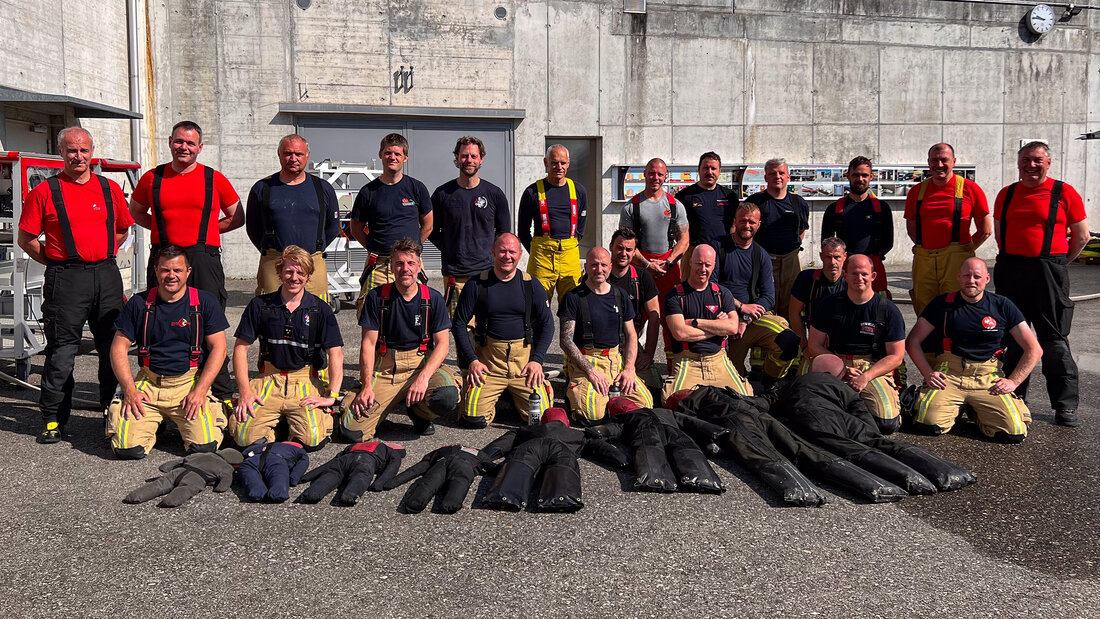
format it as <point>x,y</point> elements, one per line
<point>86,209</point>
<point>938,210</point>
<point>1027,218</point>
<point>181,202</point>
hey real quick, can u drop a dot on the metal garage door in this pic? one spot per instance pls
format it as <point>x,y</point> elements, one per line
<point>431,147</point>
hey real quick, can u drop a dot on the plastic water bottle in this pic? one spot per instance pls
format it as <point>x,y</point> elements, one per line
<point>534,408</point>
<point>614,391</point>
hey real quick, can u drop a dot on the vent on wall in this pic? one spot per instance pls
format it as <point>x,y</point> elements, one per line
<point>633,6</point>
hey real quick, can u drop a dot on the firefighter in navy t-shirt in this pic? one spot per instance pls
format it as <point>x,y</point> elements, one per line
<point>969,329</point>
<point>469,212</point>
<point>170,323</point>
<point>640,286</point>
<point>866,330</point>
<point>392,207</point>
<point>699,315</point>
<point>813,285</point>
<point>709,206</point>
<point>405,342</point>
<point>298,337</point>
<point>861,220</point>
<point>599,341</point>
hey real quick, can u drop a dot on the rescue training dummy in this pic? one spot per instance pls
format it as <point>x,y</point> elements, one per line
<point>779,457</point>
<point>551,448</point>
<point>450,469</point>
<point>270,469</point>
<point>824,410</point>
<point>355,468</point>
<point>665,455</point>
<point>187,477</point>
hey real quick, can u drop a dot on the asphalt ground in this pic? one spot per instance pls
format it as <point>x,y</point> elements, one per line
<point>1021,542</point>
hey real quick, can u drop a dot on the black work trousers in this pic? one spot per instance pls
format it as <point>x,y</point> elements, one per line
<point>1040,288</point>
<point>75,293</point>
<point>206,274</point>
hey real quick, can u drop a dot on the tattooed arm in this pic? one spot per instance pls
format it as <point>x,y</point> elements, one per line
<point>577,363</point>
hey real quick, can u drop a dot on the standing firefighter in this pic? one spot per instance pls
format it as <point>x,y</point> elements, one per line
<point>557,207</point>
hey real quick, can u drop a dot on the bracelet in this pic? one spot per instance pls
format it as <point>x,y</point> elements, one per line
<point>647,263</point>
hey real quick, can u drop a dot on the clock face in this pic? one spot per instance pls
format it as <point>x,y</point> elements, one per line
<point>1040,19</point>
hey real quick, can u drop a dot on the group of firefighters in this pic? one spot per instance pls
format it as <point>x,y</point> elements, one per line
<point>720,275</point>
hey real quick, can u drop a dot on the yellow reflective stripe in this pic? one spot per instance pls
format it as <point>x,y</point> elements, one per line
<point>681,372</point>
<point>590,398</point>
<point>1012,409</point>
<point>770,324</point>
<point>447,378</point>
<point>471,400</point>
<point>887,410</point>
<point>733,374</point>
<point>311,414</point>
<point>925,402</point>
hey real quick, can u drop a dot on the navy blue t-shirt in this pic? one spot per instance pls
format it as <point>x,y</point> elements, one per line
<point>700,304</point>
<point>170,328</point>
<point>804,286</point>
<point>293,213</point>
<point>403,329</point>
<point>288,347</point>
<point>977,330</point>
<point>607,312</point>
<point>505,311</point>
<point>466,223</point>
<point>851,327</point>
<point>857,225</point>
<point>781,221</point>
<point>647,288</point>
<point>707,210</point>
<point>735,273</point>
<point>558,209</point>
<point>391,212</point>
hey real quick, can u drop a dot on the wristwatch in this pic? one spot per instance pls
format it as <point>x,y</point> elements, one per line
<point>695,322</point>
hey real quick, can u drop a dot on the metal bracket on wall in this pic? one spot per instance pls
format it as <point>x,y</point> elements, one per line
<point>403,80</point>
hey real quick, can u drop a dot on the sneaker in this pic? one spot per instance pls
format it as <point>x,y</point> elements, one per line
<point>423,427</point>
<point>1066,418</point>
<point>52,434</point>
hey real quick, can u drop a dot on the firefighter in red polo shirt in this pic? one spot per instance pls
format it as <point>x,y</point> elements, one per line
<point>938,216</point>
<point>84,218</point>
<point>1031,217</point>
<point>176,202</point>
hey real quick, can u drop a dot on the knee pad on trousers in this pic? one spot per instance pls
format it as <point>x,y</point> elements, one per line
<point>926,428</point>
<point>475,423</point>
<point>444,402</point>
<point>203,448</point>
<point>345,435</point>
<point>130,453</point>
<point>888,426</point>
<point>324,441</point>
<point>1012,439</point>
<point>787,341</point>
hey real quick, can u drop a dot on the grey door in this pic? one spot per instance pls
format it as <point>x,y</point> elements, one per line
<point>431,148</point>
<point>585,167</point>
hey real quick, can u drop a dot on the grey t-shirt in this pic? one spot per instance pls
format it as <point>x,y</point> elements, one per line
<point>655,215</point>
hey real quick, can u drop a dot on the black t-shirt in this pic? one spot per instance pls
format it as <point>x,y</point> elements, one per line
<point>857,224</point>
<point>558,209</point>
<point>707,210</point>
<point>781,221</point>
<point>288,348</point>
<point>170,329</point>
<point>504,303</point>
<point>700,304</point>
<point>604,311</point>
<point>403,329</point>
<point>391,212</point>
<point>808,291</point>
<point>977,330</point>
<point>294,214</point>
<point>466,223</point>
<point>646,290</point>
<point>851,327</point>
<point>735,272</point>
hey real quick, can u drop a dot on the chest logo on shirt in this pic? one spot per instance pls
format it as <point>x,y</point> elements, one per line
<point>697,203</point>
<point>416,321</point>
<point>407,202</point>
<point>867,328</point>
<point>668,213</point>
<point>481,202</point>
<point>713,309</point>
<point>989,323</point>
<point>96,207</point>
<point>305,319</point>
<point>182,322</point>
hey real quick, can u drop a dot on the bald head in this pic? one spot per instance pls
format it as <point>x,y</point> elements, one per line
<point>973,278</point>
<point>942,146</point>
<point>858,261</point>
<point>859,272</point>
<point>506,255</point>
<point>829,364</point>
<point>596,253</point>
<point>702,265</point>
<point>597,266</point>
<point>505,238</point>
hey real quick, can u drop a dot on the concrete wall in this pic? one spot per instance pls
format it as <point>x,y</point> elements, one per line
<point>815,81</point>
